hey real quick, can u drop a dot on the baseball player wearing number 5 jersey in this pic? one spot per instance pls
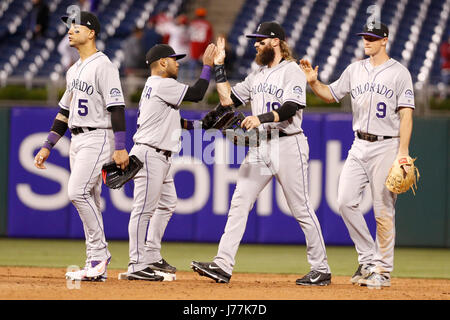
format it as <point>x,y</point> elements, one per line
<point>92,107</point>
<point>382,98</point>
<point>158,136</point>
<point>277,94</point>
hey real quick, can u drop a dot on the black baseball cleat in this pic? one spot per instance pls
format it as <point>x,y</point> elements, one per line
<point>315,278</point>
<point>146,274</point>
<point>162,266</point>
<point>211,270</point>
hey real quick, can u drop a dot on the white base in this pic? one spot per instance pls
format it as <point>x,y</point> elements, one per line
<point>167,276</point>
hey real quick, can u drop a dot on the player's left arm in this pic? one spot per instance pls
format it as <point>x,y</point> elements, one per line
<point>120,155</point>
<point>405,105</point>
<point>406,125</point>
<point>286,111</point>
<point>293,100</point>
<point>190,124</point>
<point>111,89</point>
<point>196,92</point>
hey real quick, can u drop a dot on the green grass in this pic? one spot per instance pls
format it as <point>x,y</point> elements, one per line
<point>19,92</point>
<point>409,262</point>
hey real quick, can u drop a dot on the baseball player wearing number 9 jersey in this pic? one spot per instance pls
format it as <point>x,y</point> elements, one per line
<point>382,98</point>
<point>276,91</point>
<point>92,107</point>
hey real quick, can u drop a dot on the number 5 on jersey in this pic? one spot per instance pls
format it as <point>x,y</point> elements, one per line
<point>82,107</point>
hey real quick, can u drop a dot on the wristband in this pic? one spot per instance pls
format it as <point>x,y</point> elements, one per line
<point>206,72</point>
<point>52,139</point>
<point>189,125</point>
<point>219,71</point>
<point>119,140</point>
<point>266,117</point>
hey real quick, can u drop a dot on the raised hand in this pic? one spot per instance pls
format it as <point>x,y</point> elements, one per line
<point>220,56</point>
<point>208,56</point>
<point>310,73</point>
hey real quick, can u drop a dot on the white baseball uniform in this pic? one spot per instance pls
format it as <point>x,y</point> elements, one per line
<point>93,85</point>
<point>285,158</point>
<point>155,198</point>
<point>376,94</point>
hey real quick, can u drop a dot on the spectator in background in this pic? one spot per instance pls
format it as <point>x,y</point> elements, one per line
<point>151,37</point>
<point>201,34</point>
<point>162,20</point>
<point>134,62</point>
<point>87,5</point>
<point>179,40</point>
<point>39,18</point>
<point>445,65</point>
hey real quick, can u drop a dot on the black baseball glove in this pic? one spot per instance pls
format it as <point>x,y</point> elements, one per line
<point>115,178</point>
<point>216,118</point>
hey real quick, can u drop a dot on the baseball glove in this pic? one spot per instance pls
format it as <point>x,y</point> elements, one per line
<point>228,121</point>
<point>400,179</point>
<point>115,178</point>
<point>218,117</point>
<point>232,130</point>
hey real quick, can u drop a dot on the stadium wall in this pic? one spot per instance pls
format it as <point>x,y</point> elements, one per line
<point>4,150</point>
<point>205,173</point>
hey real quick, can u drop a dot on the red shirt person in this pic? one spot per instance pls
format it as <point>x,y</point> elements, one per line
<point>445,67</point>
<point>201,34</point>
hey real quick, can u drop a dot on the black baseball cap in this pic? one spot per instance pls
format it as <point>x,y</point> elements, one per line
<point>268,29</point>
<point>374,29</point>
<point>87,19</point>
<point>160,51</point>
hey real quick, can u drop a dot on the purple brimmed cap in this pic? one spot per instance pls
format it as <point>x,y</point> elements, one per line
<point>160,51</point>
<point>269,29</point>
<point>375,29</point>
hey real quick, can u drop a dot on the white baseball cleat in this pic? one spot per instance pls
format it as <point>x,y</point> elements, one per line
<point>97,268</point>
<point>79,275</point>
<point>375,280</point>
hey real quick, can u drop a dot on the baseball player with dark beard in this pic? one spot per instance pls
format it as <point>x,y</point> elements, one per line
<point>382,98</point>
<point>158,136</point>
<point>92,107</point>
<point>277,94</point>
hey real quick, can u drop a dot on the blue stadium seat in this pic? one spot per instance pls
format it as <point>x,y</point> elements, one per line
<point>9,43</point>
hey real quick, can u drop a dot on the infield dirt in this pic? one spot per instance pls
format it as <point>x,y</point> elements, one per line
<point>22,283</point>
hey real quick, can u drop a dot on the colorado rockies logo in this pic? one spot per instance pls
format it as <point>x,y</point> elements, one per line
<point>115,92</point>
<point>298,90</point>
<point>409,94</point>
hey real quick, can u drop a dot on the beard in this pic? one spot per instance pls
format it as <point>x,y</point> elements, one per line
<point>172,74</point>
<point>266,56</point>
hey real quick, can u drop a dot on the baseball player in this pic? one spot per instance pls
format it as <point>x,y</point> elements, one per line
<point>382,97</point>
<point>157,137</point>
<point>277,94</point>
<point>92,107</point>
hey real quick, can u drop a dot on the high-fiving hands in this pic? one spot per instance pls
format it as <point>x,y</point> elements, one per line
<point>310,73</point>
<point>220,54</point>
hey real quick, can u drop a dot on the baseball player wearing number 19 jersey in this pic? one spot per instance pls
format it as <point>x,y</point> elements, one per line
<point>382,102</point>
<point>92,107</point>
<point>277,94</point>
